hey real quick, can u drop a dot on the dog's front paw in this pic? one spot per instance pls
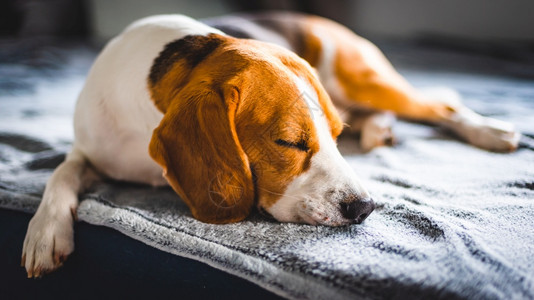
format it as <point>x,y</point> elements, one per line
<point>485,133</point>
<point>376,131</point>
<point>48,242</point>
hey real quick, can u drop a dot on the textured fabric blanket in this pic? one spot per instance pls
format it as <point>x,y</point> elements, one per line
<point>452,221</point>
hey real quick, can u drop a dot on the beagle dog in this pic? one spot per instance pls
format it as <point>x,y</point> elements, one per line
<point>236,112</point>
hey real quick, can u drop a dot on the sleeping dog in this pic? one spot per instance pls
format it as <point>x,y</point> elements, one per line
<point>236,112</point>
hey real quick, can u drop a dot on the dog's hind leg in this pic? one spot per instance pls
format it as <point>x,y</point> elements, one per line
<point>358,76</point>
<point>50,237</point>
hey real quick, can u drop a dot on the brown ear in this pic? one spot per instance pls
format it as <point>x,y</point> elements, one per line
<point>197,146</point>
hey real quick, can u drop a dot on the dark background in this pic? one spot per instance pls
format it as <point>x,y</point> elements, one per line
<point>497,20</point>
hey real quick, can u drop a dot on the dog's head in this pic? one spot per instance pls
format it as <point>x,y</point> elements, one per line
<point>247,122</point>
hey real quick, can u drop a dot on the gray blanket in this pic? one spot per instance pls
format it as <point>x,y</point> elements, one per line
<point>452,221</point>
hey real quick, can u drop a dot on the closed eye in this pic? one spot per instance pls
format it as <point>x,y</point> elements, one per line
<point>301,145</point>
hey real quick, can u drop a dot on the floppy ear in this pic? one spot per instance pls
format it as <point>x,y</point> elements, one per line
<point>197,146</point>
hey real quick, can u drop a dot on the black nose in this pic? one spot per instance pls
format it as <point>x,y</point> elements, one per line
<point>358,210</point>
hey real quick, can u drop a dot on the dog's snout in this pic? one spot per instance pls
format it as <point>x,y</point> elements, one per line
<point>357,210</point>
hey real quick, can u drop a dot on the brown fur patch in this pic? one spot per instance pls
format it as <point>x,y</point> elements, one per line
<point>193,49</point>
<point>197,145</point>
